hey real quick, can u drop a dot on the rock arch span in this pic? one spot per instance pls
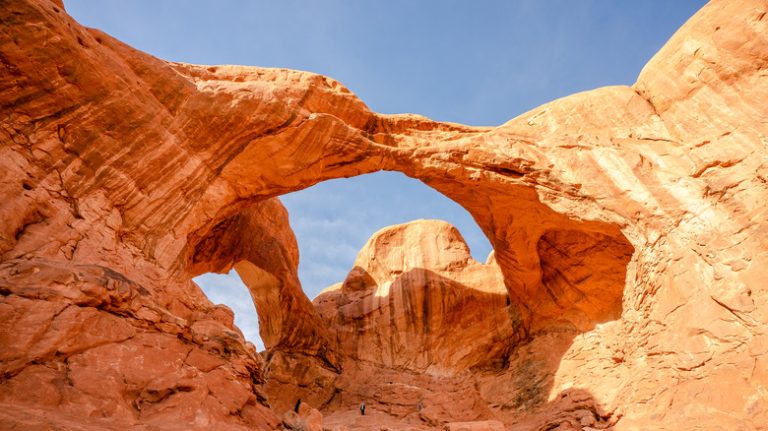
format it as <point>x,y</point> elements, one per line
<point>118,167</point>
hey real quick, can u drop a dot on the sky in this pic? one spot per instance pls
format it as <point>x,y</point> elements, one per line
<point>474,62</point>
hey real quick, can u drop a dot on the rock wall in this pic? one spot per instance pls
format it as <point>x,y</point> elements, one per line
<point>119,172</point>
<point>416,300</point>
<point>429,336</point>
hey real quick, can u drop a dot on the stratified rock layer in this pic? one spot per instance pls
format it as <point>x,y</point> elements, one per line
<point>122,176</point>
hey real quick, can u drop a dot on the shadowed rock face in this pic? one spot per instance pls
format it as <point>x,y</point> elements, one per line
<point>122,176</point>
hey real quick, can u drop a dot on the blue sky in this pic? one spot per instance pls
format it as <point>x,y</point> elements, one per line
<point>473,62</point>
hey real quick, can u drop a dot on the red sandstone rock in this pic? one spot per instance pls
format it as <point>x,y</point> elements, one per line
<point>475,426</point>
<point>628,223</point>
<point>307,419</point>
<point>416,300</point>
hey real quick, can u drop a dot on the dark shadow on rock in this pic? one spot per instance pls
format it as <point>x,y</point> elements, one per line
<point>583,277</point>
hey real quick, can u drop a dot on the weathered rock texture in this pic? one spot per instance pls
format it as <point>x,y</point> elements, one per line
<point>428,336</point>
<point>122,176</point>
<point>417,301</point>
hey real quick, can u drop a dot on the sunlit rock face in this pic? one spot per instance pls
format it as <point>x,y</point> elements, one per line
<point>416,300</point>
<point>628,223</point>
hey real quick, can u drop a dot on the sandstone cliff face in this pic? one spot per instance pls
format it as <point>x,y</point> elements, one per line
<point>416,300</point>
<point>628,224</point>
<point>429,337</point>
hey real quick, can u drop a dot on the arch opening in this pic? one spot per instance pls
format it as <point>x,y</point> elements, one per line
<point>404,312</point>
<point>233,254</point>
<point>332,221</point>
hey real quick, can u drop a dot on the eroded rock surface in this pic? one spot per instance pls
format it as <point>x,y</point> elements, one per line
<point>416,300</point>
<point>429,338</point>
<point>122,176</point>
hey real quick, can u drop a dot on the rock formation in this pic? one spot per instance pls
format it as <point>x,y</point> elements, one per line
<point>628,225</point>
<point>416,300</point>
<point>427,337</point>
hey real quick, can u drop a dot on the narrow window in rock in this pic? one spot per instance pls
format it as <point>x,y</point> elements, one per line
<point>229,289</point>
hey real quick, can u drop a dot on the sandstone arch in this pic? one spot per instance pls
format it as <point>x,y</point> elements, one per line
<point>117,166</point>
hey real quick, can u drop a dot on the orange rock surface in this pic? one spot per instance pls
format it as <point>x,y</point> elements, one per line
<point>416,300</point>
<point>628,223</point>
